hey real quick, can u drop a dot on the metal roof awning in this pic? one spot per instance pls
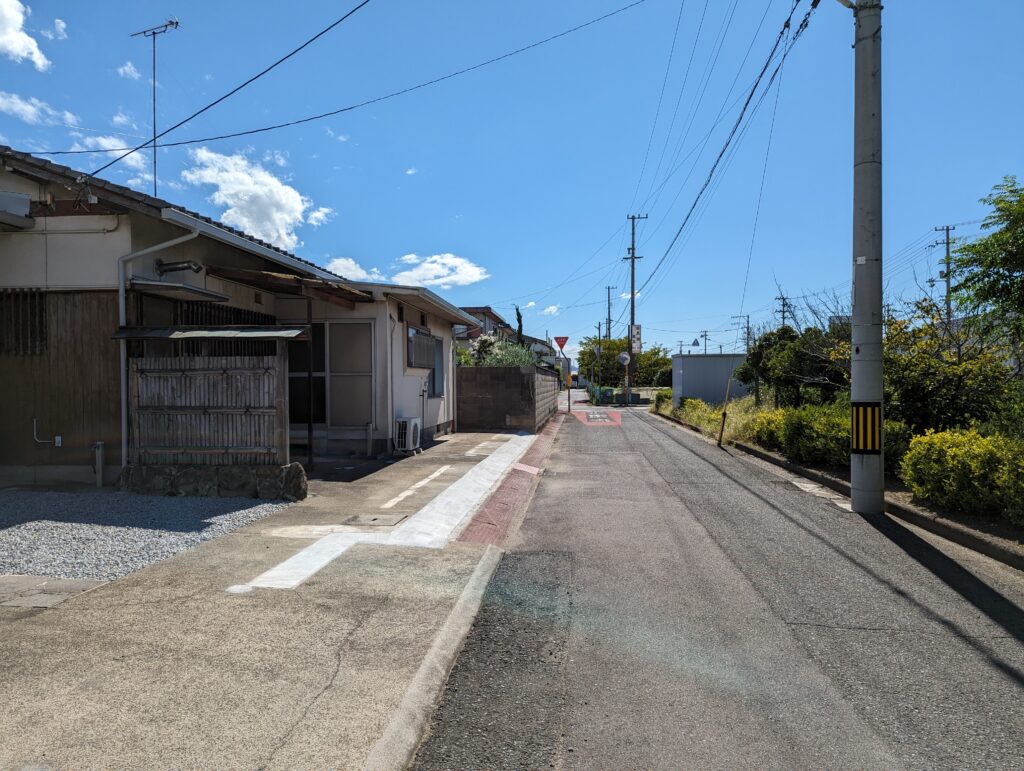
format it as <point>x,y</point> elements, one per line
<point>290,332</point>
<point>176,291</point>
<point>336,292</point>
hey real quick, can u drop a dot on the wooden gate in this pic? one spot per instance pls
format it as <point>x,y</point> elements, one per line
<point>209,410</point>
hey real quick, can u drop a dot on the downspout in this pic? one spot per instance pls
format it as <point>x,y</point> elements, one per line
<point>122,320</point>
<point>391,379</point>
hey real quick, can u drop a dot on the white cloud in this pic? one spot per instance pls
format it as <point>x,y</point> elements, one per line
<point>34,111</point>
<point>530,304</point>
<point>342,137</point>
<point>411,172</point>
<point>127,70</point>
<point>320,215</point>
<point>113,147</point>
<point>625,295</point>
<point>59,31</point>
<point>256,201</point>
<point>349,268</point>
<point>15,43</point>
<point>277,157</point>
<point>441,270</point>
<point>123,120</point>
<point>551,310</point>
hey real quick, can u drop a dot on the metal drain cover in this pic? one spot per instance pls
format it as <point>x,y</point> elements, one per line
<point>375,520</point>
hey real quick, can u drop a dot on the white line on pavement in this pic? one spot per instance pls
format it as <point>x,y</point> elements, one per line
<point>431,527</point>
<point>405,494</point>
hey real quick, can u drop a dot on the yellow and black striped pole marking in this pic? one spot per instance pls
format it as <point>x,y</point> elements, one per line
<point>866,433</point>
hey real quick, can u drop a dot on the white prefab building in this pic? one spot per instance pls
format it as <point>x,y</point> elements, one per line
<point>704,376</point>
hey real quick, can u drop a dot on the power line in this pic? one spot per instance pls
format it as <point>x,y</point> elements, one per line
<point>356,106</point>
<point>739,119</point>
<point>235,90</point>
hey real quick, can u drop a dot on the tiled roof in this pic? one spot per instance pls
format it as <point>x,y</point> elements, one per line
<point>142,199</point>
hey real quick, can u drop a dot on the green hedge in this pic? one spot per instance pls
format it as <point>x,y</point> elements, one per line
<point>821,435</point>
<point>968,472</point>
<point>766,428</point>
<point>662,399</point>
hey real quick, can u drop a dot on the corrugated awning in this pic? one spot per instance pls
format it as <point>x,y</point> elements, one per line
<point>212,333</point>
<point>336,292</point>
<point>176,291</point>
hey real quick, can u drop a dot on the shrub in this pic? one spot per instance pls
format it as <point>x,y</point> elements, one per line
<point>968,472</point>
<point>698,413</point>
<point>663,400</point>
<point>819,435</point>
<point>766,429</point>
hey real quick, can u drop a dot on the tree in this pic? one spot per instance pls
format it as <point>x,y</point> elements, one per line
<point>607,364</point>
<point>649,364</point>
<point>491,351</point>
<point>808,366</point>
<point>989,272</point>
<point>519,326</point>
<point>933,381</point>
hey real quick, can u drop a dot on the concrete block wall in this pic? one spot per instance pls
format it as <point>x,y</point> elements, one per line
<point>520,398</point>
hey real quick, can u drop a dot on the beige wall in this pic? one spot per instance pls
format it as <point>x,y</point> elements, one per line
<point>398,390</point>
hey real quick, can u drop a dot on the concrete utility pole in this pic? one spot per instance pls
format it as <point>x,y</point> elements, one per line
<point>746,334</point>
<point>631,366</point>
<point>947,273</point>
<point>608,321</point>
<point>704,334</point>
<point>867,480</point>
<point>786,305</point>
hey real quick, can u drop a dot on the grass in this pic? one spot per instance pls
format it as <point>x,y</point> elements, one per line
<point>708,417</point>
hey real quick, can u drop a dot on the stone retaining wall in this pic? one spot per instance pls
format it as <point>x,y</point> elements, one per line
<point>265,482</point>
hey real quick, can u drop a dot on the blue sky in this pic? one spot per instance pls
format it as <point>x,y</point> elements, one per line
<point>511,184</point>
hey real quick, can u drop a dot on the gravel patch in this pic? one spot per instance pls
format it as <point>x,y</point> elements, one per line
<point>103,536</point>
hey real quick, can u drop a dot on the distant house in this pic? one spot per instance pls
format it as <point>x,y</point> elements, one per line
<point>135,328</point>
<point>488,322</point>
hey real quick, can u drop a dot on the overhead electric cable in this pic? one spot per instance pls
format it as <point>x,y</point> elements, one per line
<point>351,107</point>
<point>739,121</point>
<point>235,90</point>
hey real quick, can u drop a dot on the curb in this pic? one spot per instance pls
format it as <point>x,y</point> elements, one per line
<point>952,531</point>
<point>397,747</point>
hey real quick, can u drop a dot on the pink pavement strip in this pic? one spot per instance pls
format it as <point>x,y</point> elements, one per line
<point>492,523</point>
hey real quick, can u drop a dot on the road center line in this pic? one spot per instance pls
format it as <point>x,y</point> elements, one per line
<point>405,494</point>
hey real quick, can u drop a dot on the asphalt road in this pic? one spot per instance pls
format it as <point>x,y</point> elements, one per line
<point>671,605</point>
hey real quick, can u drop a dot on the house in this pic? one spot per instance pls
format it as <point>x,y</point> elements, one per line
<point>134,332</point>
<point>704,376</point>
<point>486,322</point>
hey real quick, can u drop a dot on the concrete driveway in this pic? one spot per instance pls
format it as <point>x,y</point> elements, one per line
<point>197,661</point>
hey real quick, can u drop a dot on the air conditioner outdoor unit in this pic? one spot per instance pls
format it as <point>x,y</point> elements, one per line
<point>407,434</point>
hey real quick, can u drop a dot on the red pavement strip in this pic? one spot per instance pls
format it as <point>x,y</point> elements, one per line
<point>607,417</point>
<point>494,520</point>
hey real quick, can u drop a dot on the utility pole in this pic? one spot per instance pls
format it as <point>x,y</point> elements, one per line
<point>704,334</point>
<point>151,33</point>
<point>631,367</point>
<point>947,273</point>
<point>597,355</point>
<point>786,305</point>
<point>608,321</point>
<point>867,480</point>
<point>680,347</point>
<point>746,334</point>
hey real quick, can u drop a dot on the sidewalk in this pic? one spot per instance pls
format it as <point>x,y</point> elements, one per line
<point>167,667</point>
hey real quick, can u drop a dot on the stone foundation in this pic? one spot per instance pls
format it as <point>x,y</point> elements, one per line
<point>266,482</point>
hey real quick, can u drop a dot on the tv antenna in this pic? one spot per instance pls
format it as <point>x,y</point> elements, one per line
<point>151,33</point>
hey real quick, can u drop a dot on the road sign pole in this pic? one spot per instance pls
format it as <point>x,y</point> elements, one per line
<point>561,341</point>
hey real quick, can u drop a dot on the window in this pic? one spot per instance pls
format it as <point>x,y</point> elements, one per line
<point>420,351</point>
<point>437,372</point>
<point>22,322</point>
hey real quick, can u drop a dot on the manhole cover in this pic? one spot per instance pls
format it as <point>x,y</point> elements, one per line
<point>375,520</point>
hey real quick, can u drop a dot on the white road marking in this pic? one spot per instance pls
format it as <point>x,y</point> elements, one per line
<point>405,494</point>
<point>431,527</point>
<point>484,448</point>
